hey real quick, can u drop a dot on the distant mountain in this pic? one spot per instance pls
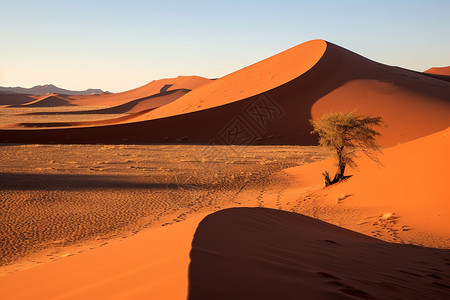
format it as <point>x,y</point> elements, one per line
<point>48,89</point>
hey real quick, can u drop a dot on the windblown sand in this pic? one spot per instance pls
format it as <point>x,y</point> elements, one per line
<point>59,195</point>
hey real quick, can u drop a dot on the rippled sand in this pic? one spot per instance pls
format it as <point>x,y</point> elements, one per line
<point>59,195</point>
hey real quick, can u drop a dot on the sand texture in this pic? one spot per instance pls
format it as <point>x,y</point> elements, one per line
<point>54,196</point>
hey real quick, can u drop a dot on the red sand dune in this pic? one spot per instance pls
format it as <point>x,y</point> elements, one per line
<point>260,253</point>
<point>138,105</point>
<point>152,88</point>
<point>412,183</point>
<point>169,86</point>
<point>270,102</point>
<point>52,100</point>
<point>439,71</point>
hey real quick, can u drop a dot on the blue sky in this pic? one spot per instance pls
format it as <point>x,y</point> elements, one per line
<point>119,45</point>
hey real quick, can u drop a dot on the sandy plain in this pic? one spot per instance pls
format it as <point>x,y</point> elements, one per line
<point>11,115</point>
<point>59,195</point>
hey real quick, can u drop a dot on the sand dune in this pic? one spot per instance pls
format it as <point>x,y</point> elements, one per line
<point>439,71</point>
<point>260,253</point>
<point>133,106</point>
<point>411,185</point>
<point>156,87</point>
<point>152,88</point>
<point>270,102</point>
<point>52,100</point>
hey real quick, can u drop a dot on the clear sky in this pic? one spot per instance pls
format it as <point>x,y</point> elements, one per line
<point>119,45</point>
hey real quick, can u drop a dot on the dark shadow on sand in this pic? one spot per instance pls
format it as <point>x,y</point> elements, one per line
<point>28,181</point>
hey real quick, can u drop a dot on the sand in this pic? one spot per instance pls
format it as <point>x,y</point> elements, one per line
<point>152,88</point>
<point>20,116</point>
<point>271,102</point>
<point>56,196</point>
<point>52,100</point>
<point>233,222</point>
<point>261,253</point>
<point>439,71</point>
<point>251,252</point>
<point>404,201</point>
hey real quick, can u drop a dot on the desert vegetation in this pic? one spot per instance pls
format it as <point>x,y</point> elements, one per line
<point>346,135</point>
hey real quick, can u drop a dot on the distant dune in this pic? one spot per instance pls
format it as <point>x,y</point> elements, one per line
<point>52,100</point>
<point>162,86</point>
<point>439,71</point>
<point>133,106</point>
<point>152,88</point>
<point>270,102</point>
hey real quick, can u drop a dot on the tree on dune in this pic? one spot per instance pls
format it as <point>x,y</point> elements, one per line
<point>346,134</point>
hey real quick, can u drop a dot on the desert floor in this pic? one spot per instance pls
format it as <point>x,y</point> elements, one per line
<point>57,196</point>
<point>11,115</point>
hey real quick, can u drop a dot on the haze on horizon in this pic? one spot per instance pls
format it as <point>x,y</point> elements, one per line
<point>118,45</point>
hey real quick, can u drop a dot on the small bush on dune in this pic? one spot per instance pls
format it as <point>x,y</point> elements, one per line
<point>346,134</point>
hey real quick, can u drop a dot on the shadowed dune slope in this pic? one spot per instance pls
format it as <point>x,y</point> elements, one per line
<point>52,100</point>
<point>412,183</point>
<point>261,253</point>
<point>439,71</point>
<point>270,102</point>
<point>15,99</point>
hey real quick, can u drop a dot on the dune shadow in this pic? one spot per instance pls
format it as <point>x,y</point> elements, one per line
<point>261,253</point>
<point>29,181</point>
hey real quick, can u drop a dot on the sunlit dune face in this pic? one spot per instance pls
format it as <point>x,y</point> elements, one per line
<point>249,81</point>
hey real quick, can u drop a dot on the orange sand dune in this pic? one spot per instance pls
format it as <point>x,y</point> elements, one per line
<point>270,102</point>
<point>133,106</point>
<point>52,100</point>
<point>152,88</point>
<point>412,184</point>
<point>261,253</point>
<point>439,71</point>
